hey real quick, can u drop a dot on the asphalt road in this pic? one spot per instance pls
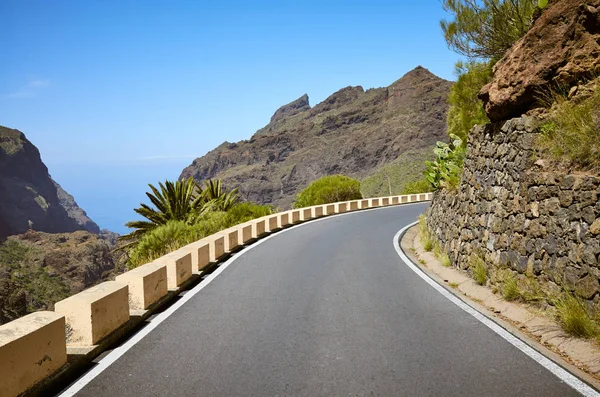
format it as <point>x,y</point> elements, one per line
<point>324,309</point>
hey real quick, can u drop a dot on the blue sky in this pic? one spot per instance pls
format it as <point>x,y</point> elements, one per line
<point>117,94</point>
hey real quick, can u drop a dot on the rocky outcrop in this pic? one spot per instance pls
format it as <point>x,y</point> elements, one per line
<point>561,48</point>
<point>74,211</point>
<point>353,132</point>
<point>516,214</point>
<point>28,196</point>
<point>292,108</point>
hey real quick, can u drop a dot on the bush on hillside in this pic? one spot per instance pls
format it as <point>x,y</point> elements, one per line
<point>176,234</point>
<point>466,109</point>
<point>421,186</point>
<point>329,189</point>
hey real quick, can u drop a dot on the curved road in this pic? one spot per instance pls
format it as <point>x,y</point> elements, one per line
<point>324,309</point>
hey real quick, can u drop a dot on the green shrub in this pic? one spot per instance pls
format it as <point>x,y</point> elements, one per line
<point>424,235</point>
<point>445,259</point>
<point>572,133</point>
<point>510,288</point>
<point>246,211</point>
<point>329,189</point>
<point>445,171</point>
<point>176,234</point>
<point>574,316</point>
<point>161,240</point>
<point>478,269</point>
<point>416,187</point>
<point>466,109</point>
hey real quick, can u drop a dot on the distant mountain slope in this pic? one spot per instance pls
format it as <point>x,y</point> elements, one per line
<point>27,193</point>
<point>353,132</point>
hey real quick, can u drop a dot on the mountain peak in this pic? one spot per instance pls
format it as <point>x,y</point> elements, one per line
<point>299,105</point>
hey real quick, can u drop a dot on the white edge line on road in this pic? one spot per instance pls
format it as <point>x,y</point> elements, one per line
<point>155,322</point>
<point>545,362</point>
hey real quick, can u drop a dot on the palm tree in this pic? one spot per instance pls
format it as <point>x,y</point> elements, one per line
<point>179,200</point>
<point>218,198</point>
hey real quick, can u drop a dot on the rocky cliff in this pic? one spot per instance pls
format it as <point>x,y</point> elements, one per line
<point>513,208</point>
<point>28,193</point>
<point>353,132</point>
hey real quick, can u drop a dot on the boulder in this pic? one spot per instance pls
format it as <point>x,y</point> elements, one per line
<point>561,48</point>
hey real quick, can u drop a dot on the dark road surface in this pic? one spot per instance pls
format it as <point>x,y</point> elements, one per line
<point>324,309</point>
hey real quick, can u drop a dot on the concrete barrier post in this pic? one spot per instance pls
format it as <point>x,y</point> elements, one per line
<point>147,284</point>
<point>32,348</point>
<point>244,233</point>
<point>330,209</point>
<point>305,214</point>
<point>396,200</point>
<point>385,201</point>
<point>375,202</point>
<point>273,222</point>
<point>353,205</point>
<point>404,199</point>
<point>341,207</point>
<point>179,267</point>
<point>258,228</point>
<point>95,312</point>
<point>295,216</point>
<point>317,211</point>
<point>283,220</point>
<point>200,251</point>
<point>230,239</point>
<point>422,197</point>
<point>412,198</point>
<point>364,204</point>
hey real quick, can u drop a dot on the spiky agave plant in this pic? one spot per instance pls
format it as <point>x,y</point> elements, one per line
<point>179,200</point>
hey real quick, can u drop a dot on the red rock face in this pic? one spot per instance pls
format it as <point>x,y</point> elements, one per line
<point>562,47</point>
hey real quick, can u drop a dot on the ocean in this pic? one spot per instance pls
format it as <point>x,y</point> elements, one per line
<point>108,193</point>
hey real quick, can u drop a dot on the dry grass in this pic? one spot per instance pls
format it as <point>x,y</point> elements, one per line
<point>424,234</point>
<point>574,316</point>
<point>478,269</point>
<point>571,135</point>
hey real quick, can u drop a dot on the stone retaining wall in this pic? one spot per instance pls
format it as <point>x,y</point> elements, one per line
<point>515,213</point>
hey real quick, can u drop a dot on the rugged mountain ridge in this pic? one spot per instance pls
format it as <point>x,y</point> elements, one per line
<point>352,132</point>
<point>28,193</point>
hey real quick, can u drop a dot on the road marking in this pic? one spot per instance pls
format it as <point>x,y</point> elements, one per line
<point>155,322</point>
<point>565,376</point>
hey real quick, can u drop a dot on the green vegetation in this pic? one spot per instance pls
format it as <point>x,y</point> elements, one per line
<point>571,135</point>
<point>574,316</point>
<point>510,287</point>
<point>445,171</point>
<point>466,109</point>
<point>486,29</point>
<point>184,213</point>
<point>329,189</point>
<point>421,186</point>
<point>445,259</point>
<point>478,269</point>
<point>424,234</point>
<point>453,284</point>
<point>404,175</point>
<point>24,280</point>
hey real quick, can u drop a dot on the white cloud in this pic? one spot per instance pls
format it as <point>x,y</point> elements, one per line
<point>38,83</point>
<point>29,90</point>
